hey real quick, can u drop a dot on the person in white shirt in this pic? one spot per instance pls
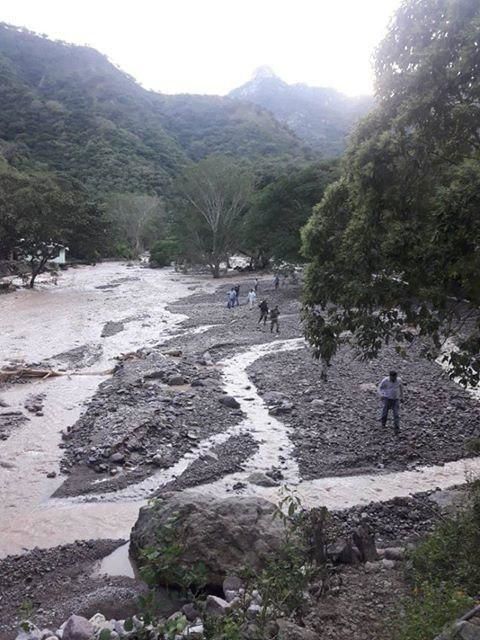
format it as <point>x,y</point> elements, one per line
<point>252,298</point>
<point>391,392</point>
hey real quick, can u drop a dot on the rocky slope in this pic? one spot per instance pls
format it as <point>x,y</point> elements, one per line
<point>321,116</point>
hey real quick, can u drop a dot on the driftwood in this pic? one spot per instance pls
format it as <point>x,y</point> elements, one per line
<point>25,372</point>
<point>44,374</point>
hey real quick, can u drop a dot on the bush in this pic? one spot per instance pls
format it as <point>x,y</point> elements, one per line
<point>429,610</point>
<point>122,250</point>
<point>163,253</point>
<point>444,573</point>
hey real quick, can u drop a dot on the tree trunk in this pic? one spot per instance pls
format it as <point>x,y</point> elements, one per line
<point>36,270</point>
<point>215,268</point>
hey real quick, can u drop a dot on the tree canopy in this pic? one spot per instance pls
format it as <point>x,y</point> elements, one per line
<point>279,209</point>
<point>212,196</point>
<point>394,244</point>
<point>40,213</point>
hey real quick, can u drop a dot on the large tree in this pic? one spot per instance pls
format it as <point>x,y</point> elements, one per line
<point>137,220</point>
<point>281,207</point>
<point>40,213</point>
<point>395,244</point>
<point>211,199</point>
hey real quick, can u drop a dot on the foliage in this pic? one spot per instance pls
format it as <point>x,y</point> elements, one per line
<point>280,207</point>
<point>440,558</point>
<point>429,610</point>
<point>212,196</point>
<point>40,213</point>
<point>393,245</point>
<point>136,220</point>
<point>164,252</point>
<point>87,119</point>
<point>444,573</point>
<point>162,563</point>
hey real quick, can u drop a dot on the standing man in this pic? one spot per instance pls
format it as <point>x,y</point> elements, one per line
<point>263,306</point>
<point>252,297</point>
<point>391,392</point>
<point>274,315</point>
<point>232,296</point>
<point>237,294</point>
<point>255,286</point>
<point>276,281</point>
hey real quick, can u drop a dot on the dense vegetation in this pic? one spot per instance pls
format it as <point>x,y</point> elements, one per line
<point>70,110</point>
<point>394,244</point>
<point>281,205</point>
<point>73,117</point>
<point>39,214</point>
<point>444,573</point>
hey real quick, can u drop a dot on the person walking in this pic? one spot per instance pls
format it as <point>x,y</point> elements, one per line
<point>263,306</point>
<point>252,298</point>
<point>255,286</point>
<point>276,281</point>
<point>274,315</point>
<point>391,393</point>
<point>232,296</point>
<point>237,294</point>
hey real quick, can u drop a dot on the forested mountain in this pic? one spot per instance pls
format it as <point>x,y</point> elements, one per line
<point>322,117</point>
<point>67,109</point>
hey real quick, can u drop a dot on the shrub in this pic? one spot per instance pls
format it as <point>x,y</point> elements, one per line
<point>163,253</point>
<point>444,573</point>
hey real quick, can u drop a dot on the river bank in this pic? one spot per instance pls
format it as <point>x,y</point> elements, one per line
<point>163,420</point>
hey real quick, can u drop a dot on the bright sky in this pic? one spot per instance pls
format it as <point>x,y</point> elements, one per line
<point>212,46</point>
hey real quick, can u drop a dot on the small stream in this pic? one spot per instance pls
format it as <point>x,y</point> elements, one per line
<point>29,517</point>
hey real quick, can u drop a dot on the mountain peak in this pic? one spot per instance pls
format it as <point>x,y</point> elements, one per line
<point>263,72</point>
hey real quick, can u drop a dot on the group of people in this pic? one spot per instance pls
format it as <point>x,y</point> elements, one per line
<point>390,388</point>
<point>233,300</point>
<point>274,315</point>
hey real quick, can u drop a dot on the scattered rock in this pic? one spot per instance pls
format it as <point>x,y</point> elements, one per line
<point>343,552</point>
<point>216,606</point>
<point>261,480</point>
<point>394,553</point>
<point>78,628</point>
<point>117,458</point>
<point>290,631</point>
<point>111,328</point>
<point>232,583</point>
<point>230,402</point>
<point>176,380</point>
<point>364,540</point>
<point>190,611</point>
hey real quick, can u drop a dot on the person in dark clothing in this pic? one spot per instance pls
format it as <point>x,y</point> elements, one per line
<point>276,281</point>
<point>274,315</point>
<point>237,294</point>
<point>263,306</point>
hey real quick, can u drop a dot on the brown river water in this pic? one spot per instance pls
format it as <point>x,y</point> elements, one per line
<point>35,325</point>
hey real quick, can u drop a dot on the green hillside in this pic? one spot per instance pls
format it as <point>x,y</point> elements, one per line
<point>67,109</point>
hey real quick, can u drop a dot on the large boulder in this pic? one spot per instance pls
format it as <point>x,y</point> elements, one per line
<point>225,535</point>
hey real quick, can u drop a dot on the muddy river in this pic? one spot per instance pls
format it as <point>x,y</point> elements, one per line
<point>37,325</point>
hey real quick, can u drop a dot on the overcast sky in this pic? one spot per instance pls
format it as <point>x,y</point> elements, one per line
<point>212,46</point>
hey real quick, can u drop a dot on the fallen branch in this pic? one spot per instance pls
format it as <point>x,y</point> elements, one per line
<point>44,374</point>
<point>25,372</point>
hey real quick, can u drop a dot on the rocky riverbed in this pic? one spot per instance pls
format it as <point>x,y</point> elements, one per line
<point>165,420</point>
